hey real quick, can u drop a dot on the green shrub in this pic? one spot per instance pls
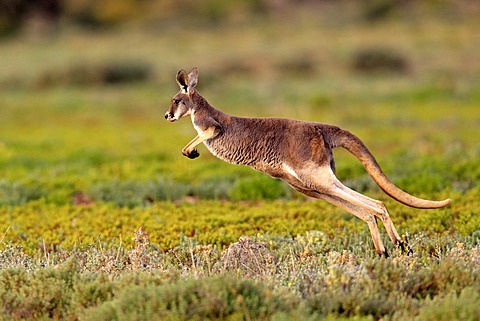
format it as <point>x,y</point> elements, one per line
<point>380,60</point>
<point>87,74</point>
<point>212,298</point>
<point>258,187</point>
<point>453,306</point>
<point>92,289</point>
<point>214,187</point>
<point>17,193</point>
<point>44,294</point>
<point>137,193</point>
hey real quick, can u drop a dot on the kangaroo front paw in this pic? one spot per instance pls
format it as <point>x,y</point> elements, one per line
<point>193,154</point>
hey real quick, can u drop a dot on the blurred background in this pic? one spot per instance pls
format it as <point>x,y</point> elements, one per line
<point>84,85</point>
<point>49,43</point>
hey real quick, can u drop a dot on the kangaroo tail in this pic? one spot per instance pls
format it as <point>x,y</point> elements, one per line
<point>355,146</point>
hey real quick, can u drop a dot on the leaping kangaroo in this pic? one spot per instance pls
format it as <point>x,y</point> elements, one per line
<point>298,152</point>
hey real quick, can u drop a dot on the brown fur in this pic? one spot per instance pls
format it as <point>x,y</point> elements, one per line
<point>298,152</point>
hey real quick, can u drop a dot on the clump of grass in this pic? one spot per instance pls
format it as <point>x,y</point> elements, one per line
<point>252,258</point>
<point>193,258</point>
<point>12,257</point>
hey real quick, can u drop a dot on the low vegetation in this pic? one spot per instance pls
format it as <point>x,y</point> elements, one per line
<point>263,277</point>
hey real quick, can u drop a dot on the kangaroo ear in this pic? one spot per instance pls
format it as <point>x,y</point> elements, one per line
<point>193,78</point>
<point>182,81</point>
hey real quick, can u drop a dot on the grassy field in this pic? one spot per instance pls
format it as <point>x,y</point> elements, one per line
<point>101,217</point>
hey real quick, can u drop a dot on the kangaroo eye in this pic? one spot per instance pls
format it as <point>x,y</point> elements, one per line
<point>176,101</point>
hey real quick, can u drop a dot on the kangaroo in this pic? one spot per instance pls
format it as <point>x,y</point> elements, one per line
<point>298,152</point>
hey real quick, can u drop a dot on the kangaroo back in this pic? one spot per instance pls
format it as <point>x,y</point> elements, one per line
<point>355,146</point>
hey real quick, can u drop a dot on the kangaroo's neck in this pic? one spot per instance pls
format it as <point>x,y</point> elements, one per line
<point>202,107</point>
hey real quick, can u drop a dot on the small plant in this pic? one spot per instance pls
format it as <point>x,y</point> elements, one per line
<point>139,254</point>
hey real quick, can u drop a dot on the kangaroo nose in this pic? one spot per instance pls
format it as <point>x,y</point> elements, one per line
<point>169,116</point>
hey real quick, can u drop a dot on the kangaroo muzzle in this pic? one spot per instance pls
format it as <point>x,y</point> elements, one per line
<point>170,116</point>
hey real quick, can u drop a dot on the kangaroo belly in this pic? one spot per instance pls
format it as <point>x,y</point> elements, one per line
<point>231,153</point>
<point>252,152</point>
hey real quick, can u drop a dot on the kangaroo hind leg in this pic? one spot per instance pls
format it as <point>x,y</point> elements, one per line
<point>329,188</point>
<point>361,211</point>
<point>380,211</point>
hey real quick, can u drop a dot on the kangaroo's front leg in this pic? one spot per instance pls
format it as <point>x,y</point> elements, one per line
<point>190,151</point>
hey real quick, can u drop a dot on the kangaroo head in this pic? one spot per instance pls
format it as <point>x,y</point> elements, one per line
<point>182,103</point>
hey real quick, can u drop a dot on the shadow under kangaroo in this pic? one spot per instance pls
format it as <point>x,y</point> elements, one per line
<point>298,152</point>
